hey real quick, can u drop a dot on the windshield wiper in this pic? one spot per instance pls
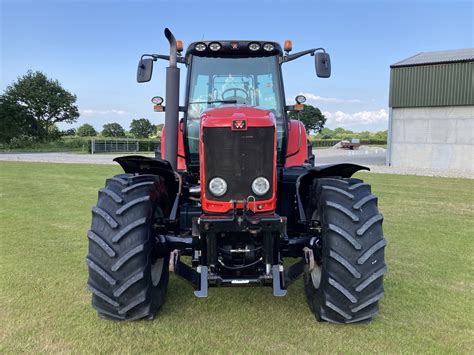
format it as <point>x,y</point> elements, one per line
<point>214,102</point>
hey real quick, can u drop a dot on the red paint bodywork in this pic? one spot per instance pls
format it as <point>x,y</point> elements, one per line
<point>297,151</point>
<point>224,117</point>
<point>181,153</point>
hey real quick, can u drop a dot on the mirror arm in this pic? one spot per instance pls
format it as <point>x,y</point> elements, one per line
<point>164,57</point>
<point>160,56</point>
<point>181,109</point>
<point>290,57</point>
<point>167,57</point>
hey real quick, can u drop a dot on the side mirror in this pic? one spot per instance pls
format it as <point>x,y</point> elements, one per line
<point>323,64</point>
<point>145,69</point>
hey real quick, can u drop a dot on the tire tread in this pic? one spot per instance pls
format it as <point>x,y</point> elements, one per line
<point>121,242</point>
<point>351,286</point>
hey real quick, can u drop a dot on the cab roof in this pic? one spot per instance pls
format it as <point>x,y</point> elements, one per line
<point>234,48</point>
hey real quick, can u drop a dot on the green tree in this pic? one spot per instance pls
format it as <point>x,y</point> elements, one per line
<point>341,132</point>
<point>326,133</point>
<point>159,129</point>
<point>311,117</point>
<point>364,135</point>
<point>141,128</point>
<point>381,135</point>
<point>69,132</point>
<point>44,100</point>
<point>86,130</point>
<point>113,130</point>
<point>15,122</point>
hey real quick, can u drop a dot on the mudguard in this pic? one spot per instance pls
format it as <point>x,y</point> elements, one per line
<point>137,164</point>
<point>344,170</point>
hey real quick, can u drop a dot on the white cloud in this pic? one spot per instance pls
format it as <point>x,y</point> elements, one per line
<point>88,112</point>
<point>342,119</point>
<point>312,97</point>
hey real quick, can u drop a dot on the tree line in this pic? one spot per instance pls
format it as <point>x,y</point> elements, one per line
<point>32,106</point>
<point>341,133</point>
<point>314,121</point>
<point>139,128</point>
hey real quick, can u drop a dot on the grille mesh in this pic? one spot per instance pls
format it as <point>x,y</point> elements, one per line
<point>238,157</point>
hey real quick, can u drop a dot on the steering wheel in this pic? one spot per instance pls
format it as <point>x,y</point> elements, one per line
<point>235,97</point>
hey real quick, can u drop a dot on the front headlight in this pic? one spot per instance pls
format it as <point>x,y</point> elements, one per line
<point>217,186</point>
<point>260,186</point>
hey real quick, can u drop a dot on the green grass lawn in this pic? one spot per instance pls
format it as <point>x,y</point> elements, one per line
<point>45,306</point>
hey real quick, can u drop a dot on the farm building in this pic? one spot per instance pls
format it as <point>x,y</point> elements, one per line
<point>431,115</point>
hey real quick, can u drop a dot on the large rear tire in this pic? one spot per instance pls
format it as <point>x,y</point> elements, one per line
<point>128,266</point>
<point>347,282</point>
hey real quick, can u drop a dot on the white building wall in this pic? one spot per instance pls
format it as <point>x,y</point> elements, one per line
<point>432,137</point>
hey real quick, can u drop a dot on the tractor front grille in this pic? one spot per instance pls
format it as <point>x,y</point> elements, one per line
<point>238,157</point>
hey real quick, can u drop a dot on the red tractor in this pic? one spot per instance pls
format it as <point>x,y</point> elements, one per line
<point>235,191</point>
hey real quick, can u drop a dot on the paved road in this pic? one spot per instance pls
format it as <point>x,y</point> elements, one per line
<point>369,156</point>
<point>364,156</point>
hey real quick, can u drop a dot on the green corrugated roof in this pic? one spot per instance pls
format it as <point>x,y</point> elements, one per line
<point>434,79</point>
<point>423,58</point>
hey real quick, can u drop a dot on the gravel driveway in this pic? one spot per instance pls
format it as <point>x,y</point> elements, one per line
<point>369,156</point>
<point>363,156</point>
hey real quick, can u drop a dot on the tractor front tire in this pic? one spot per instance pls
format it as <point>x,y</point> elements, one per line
<point>346,283</point>
<point>128,265</point>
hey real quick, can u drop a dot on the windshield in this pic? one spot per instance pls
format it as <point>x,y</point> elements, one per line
<point>215,82</point>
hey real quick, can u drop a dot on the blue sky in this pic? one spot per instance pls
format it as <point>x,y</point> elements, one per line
<point>92,47</point>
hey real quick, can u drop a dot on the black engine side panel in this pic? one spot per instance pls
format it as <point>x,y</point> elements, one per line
<point>293,186</point>
<point>287,204</point>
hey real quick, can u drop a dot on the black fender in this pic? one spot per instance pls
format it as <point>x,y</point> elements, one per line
<point>137,164</point>
<point>304,181</point>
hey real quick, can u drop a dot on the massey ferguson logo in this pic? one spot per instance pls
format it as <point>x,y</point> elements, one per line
<point>239,125</point>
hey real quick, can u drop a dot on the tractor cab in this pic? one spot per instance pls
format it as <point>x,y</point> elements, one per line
<point>229,73</point>
<point>239,74</point>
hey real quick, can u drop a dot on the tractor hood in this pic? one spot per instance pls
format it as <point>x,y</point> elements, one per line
<point>238,118</point>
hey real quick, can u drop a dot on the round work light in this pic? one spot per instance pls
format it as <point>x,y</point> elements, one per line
<point>268,47</point>
<point>301,99</point>
<point>157,100</point>
<point>214,46</point>
<point>200,47</point>
<point>254,46</point>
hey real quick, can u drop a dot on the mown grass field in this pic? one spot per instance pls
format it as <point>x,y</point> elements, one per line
<point>45,307</point>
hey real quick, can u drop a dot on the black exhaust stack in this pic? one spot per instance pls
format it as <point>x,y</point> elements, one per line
<point>172,103</point>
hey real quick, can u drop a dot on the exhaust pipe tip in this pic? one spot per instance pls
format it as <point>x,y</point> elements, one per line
<point>173,48</point>
<point>169,35</point>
